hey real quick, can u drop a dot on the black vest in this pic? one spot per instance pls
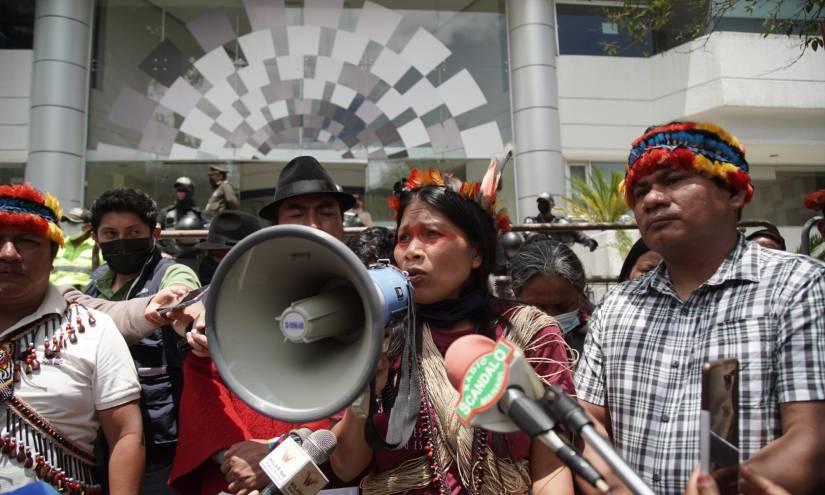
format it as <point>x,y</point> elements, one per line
<point>159,360</point>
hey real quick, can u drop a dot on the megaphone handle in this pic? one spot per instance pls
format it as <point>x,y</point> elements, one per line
<point>360,406</point>
<point>372,437</point>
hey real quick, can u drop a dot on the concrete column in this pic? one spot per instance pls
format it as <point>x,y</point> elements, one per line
<point>539,166</point>
<point>60,88</point>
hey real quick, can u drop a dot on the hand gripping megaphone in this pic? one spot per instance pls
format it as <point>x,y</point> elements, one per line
<point>296,323</point>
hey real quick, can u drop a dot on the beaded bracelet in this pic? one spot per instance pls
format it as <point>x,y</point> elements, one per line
<point>274,442</point>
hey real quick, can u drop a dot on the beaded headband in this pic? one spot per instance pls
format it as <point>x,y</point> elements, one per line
<point>482,193</point>
<point>24,207</point>
<point>704,148</point>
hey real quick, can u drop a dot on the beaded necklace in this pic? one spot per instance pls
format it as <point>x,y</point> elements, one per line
<point>30,438</point>
<point>431,430</point>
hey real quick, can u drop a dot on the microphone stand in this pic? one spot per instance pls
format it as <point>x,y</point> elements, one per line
<point>564,408</point>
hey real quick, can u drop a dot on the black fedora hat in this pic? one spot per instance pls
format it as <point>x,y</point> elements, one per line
<point>227,229</point>
<point>304,175</point>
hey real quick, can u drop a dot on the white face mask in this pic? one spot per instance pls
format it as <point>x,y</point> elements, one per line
<point>568,321</point>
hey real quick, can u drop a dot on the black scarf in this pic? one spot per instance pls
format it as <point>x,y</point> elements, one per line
<point>445,313</point>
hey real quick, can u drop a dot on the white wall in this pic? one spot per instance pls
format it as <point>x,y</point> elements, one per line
<point>747,83</point>
<point>15,87</point>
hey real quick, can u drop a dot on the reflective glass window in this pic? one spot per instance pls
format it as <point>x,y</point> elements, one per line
<point>780,201</point>
<point>367,88</point>
<point>587,30</point>
<point>12,173</point>
<point>16,24</point>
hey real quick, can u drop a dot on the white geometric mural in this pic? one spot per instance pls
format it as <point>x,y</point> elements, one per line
<point>287,89</point>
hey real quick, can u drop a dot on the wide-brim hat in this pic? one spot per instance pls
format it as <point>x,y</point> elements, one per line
<point>304,175</point>
<point>227,229</point>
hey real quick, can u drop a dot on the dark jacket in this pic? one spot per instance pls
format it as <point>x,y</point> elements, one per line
<point>159,361</point>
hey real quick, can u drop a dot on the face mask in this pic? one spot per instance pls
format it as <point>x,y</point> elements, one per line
<point>568,321</point>
<point>126,256</point>
<point>544,207</point>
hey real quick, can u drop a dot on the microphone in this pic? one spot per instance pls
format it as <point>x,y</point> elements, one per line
<point>499,391</point>
<point>298,435</point>
<point>293,466</point>
<point>564,408</point>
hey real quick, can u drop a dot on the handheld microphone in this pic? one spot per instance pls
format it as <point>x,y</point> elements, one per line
<point>298,435</point>
<point>564,408</point>
<point>499,391</point>
<point>293,467</point>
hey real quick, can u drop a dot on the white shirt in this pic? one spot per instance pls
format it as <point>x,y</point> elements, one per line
<point>93,374</point>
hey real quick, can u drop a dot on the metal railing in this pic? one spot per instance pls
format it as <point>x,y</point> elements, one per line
<point>805,244</point>
<point>504,280</point>
<point>518,227</point>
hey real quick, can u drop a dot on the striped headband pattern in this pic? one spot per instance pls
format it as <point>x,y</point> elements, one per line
<point>24,207</point>
<point>704,148</point>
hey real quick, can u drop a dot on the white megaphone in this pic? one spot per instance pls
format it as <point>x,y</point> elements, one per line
<point>296,323</point>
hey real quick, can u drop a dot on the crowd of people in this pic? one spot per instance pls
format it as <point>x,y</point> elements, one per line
<point>106,391</point>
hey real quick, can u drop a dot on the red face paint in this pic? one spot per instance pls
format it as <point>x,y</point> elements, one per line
<point>435,252</point>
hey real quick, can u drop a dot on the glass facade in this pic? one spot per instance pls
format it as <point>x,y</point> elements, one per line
<point>157,179</point>
<point>11,173</point>
<point>609,168</point>
<point>779,201</point>
<point>750,17</point>
<point>16,24</point>
<point>584,170</point>
<point>375,85</point>
<point>588,30</point>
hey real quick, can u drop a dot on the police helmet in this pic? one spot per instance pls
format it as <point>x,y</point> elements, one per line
<point>184,183</point>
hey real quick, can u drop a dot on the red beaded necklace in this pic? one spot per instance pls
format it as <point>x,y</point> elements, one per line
<point>29,437</point>
<point>432,433</point>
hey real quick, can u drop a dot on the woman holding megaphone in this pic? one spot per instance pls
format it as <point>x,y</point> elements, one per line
<point>446,242</point>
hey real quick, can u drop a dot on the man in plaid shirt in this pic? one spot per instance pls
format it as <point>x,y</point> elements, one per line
<point>715,296</point>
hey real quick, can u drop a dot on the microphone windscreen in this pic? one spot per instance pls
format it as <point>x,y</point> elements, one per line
<point>461,354</point>
<point>319,445</point>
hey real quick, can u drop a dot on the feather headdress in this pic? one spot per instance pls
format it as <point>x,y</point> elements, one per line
<point>24,207</point>
<point>483,193</point>
<point>705,148</point>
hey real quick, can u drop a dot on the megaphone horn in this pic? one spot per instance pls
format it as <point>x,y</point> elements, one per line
<point>296,323</point>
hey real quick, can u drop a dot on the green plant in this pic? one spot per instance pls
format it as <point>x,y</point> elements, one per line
<point>599,201</point>
<point>817,250</point>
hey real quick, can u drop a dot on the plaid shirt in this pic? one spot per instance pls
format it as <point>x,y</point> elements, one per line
<point>644,353</point>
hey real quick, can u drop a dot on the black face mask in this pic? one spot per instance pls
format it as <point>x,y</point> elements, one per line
<point>544,207</point>
<point>127,256</point>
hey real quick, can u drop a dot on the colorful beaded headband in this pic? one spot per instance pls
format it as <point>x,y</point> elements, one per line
<point>483,193</point>
<point>24,207</point>
<point>705,148</point>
